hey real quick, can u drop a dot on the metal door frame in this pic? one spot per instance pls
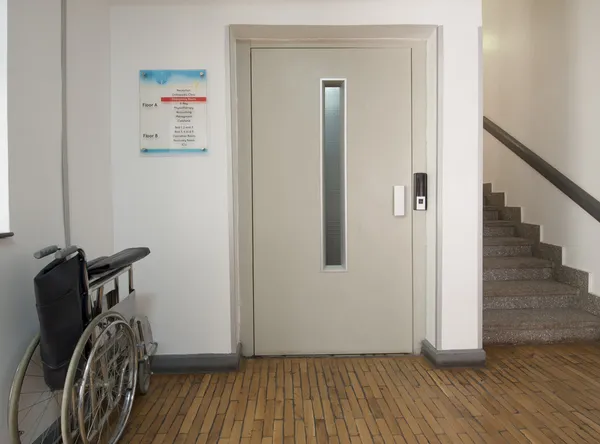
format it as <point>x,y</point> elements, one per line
<point>423,40</point>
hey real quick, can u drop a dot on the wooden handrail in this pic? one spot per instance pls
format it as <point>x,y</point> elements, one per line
<point>555,177</point>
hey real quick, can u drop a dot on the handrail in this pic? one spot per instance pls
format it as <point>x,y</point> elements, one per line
<point>558,179</point>
<point>5,235</point>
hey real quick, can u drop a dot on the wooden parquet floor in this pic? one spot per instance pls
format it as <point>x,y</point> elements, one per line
<point>548,394</point>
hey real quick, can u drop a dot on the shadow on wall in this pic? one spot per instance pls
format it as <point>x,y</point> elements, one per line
<point>562,97</point>
<point>549,84</point>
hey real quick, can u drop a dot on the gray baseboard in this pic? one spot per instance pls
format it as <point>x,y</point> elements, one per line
<point>453,358</point>
<point>204,363</point>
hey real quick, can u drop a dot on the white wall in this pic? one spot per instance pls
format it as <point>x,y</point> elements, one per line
<point>541,85</point>
<point>88,129</point>
<point>34,126</point>
<point>179,206</point>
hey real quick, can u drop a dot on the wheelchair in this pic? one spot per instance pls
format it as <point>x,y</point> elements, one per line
<point>78,378</point>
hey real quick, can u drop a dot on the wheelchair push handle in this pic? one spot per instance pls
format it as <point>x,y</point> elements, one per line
<point>46,251</point>
<point>67,252</point>
<point>60,254</point>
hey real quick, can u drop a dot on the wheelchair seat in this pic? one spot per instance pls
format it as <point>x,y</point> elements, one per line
<point>118,260</point>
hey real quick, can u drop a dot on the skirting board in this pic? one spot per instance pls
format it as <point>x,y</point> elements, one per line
<point>453,358</point>
<point>207,363</point>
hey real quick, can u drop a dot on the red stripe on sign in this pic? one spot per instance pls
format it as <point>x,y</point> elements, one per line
<point>183,99</point>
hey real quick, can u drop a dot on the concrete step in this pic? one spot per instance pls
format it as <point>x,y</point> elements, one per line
<point>491,212</point>
<point>539,326</point>
<point>516,269</point>
<point>507,246</point>
<point>490,215</point>
<point>494,199</point>
<point>498,228</point>
<point>502,295</point>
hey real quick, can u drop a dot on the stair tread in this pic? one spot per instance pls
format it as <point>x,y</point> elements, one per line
<point>539,318</point>
<point>499,223</point>
<point>490,208</point>
<point>495,241</point>
<point>515,262</point>
<point>527,288</point>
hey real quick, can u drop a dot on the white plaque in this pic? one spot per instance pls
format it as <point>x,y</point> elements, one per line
<point>173,111</point>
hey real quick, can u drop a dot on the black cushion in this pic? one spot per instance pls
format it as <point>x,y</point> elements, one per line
<point>118,260</point>
<point>91,263</point>
<point>60,296</point>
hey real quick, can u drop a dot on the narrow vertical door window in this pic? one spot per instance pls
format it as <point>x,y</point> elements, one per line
<point>333,126</point>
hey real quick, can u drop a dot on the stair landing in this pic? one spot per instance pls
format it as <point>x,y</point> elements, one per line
<point>542,325</point>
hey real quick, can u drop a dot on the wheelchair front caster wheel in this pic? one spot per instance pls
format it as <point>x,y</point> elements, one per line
<point>144,376</point>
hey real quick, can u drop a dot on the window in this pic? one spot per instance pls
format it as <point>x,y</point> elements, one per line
<point>333,127</point>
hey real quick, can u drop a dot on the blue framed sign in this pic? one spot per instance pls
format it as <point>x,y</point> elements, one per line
<point>173,111</point>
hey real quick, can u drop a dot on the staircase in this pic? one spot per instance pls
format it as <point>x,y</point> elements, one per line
<point>523,302</point>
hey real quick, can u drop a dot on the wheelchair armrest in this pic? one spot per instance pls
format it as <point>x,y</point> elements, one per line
<point>92,263</point>
<point>118,260</point>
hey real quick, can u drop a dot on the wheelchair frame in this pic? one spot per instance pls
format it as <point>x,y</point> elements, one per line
<point>110,363</point>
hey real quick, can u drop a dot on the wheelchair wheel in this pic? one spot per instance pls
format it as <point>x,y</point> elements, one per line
<point>33,408</point>
<point>101,381</point>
